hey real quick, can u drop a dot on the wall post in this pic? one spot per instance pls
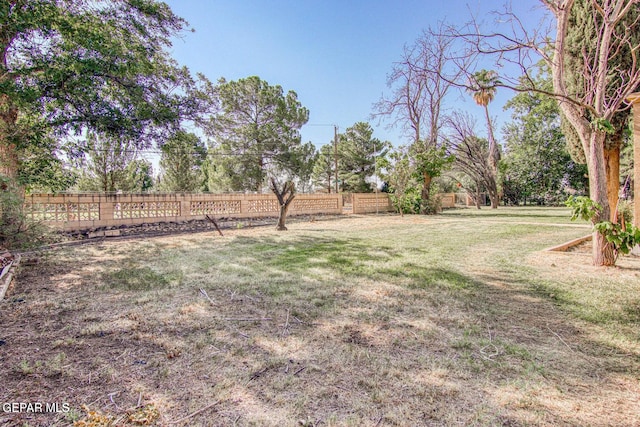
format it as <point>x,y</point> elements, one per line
<point>634,98</point>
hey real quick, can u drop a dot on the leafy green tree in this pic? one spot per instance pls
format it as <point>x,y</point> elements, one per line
<point>596,58</point>
<point>358,151</point>
<point>180,163</point>
<point>430,161</point>
<point>399,173</point>
<point>255,131</point>
<point>593,72</point>
<point>537,167</point>
<point>301,162</point>
<point>104,163</point>
<point>582,41</point>
<point>41,171</point>
<point>324,168</point>
<point>138,176</point>
<point>73,66</point>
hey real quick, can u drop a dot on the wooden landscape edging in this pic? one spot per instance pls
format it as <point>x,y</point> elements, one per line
<point>567,245</point>
<point>6,276</point>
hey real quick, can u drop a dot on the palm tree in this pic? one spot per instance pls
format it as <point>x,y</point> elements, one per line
<point>482,87</point>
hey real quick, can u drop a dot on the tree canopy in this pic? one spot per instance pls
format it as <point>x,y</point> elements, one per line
<point>537,167</point>
<point>73,66</point>
<point>358,151</point>
<point>182,157</point>
<point>255,131</point>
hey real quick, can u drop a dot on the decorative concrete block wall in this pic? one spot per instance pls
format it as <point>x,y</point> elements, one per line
<point>85,211</point>
<point>371,202</point>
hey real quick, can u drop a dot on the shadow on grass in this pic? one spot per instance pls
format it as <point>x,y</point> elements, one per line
<point>515,213</point>
<point>350,360</point>
<point>346,256</point>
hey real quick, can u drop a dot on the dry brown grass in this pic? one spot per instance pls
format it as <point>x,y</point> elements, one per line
<point>374,321</point>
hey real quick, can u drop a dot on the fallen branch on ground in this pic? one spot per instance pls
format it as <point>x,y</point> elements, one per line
<point>193,414</point>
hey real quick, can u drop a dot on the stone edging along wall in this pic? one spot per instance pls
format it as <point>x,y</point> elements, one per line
<point>71,212</point>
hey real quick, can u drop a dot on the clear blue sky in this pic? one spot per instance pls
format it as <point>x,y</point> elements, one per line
<point>335,54</point>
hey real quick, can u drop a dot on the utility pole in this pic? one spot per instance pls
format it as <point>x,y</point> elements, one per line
<point>375,173</point>
<point>335,154</point>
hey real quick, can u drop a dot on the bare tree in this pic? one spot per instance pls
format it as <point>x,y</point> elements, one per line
<point>418,93</point>
<point>285,194</point>
<point>472,156</point>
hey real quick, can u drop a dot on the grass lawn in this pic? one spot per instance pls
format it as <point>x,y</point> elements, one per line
<point>457,319</point>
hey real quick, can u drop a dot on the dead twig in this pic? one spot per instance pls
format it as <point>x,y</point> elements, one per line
<point>299,370</point>
<point>206,295</point>
<point>298,320</point>
<point>241,334</point>
<point>561,340</point>
<point>193,414</point>
<point>256,375</point>
<point>286,325</point>
<point>115,393</point>
<point>485,354</point>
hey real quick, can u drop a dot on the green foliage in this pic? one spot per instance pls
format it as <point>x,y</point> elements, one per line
<point>324,168</point>
<point>16,230</point>
<point>409,202</point>
<point>583,208</point>
<point>138,176</point>
<point>299,162</point>
<point>103,163</point>
<point>75,66</point>
<point>358,151</point>
<point>623,235</point>
<point>71,67</point>
<point>536,166</point>
<point>256,133</point>
<point>431,160</point>
<point>601,124</point>
<point>399,173</point>
<point>482,86</point>
<point>581,48</point>
<point>180,162</point>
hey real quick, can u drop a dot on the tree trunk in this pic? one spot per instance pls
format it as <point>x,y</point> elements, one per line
<point>494,198</point>
<point>493,150</point>
<point>494,157</point>
<point>8,149</point>
<point>12,193</point>
<point>425,194</point>
<point>284,200</point>
<point>603,253</point>
<point>612,163</point>
<point>282,218</point>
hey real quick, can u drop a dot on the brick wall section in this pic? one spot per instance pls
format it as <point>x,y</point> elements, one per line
<point>73,212</point>
<point>85,211</point>
<point>370,203</point>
